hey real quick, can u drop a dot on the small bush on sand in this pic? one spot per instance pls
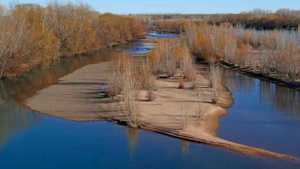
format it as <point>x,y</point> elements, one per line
<point>129,77</point>
<point>172,57</point>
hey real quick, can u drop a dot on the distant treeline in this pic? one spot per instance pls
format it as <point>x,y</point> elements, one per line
<point>272,53</point>
<point>259,20</point>
<point>31,35</point>
<point>256,19</point>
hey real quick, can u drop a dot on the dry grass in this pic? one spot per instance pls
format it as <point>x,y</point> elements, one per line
<point>270,52</point>
<point>129,77</point>
<point>162,59</point>
<point>172,57</point>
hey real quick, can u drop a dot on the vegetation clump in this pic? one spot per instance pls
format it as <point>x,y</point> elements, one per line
<point>172,58</point>
<point>32,35</point>
<point>132,81</point>
<point>272,53</point>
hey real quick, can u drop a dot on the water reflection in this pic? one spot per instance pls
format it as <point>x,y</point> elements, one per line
<point>60,144</point>
<point>140,48</point>
<point>287,100</point>
<point>28,84</point>
<point>14,118</point>
<point>133,139</point>
<point>185,147</point>
<point>282,99</point>
<point>157,35</point>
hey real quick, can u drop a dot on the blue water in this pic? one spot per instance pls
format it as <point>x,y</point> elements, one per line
<point>263,115</point>
<point>140,48</point>
<point>157,35</point>
<point>51,143</point>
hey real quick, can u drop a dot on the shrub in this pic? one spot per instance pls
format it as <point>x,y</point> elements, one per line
<point>31,35</point>
<point>171,57</point>
<point>129,77</point>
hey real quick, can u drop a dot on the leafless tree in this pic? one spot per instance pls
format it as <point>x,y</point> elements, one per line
<point>12,33</point>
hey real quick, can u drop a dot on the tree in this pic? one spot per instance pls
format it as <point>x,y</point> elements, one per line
<point>12,34</point>
<point>2,10</point>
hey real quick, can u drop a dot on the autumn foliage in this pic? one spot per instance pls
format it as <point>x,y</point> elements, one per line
<point>31,35</point>
<point>170,57</point>
<point>170,26</point>
<point>259,19</point>
<point>269,52</point>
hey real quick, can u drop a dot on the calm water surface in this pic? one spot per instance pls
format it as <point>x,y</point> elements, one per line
<point>263,115</point>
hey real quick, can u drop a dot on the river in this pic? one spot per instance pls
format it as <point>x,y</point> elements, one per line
<point>263,115</point>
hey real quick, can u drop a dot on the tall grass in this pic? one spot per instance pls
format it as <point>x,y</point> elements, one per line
<point>171,57</point>
<point>130,76</point>
<point>270,52</point>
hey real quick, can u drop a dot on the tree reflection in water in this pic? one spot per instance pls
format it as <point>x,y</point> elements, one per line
<point>13,115</point>
<point>133,139</point>
<point>14,118</point>
<point>282,99</point>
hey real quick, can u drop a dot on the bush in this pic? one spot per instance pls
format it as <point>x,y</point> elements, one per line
<point>171,57</point>
<point>130,76</point>
<point>31,35</point>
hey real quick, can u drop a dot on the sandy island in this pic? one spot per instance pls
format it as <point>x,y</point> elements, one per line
<point>190,114</point>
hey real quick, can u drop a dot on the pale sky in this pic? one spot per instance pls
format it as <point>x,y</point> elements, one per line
<point>176,6</point>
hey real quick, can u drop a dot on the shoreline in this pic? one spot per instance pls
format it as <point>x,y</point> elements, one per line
<point>163,115</point>
<point>277,79</point>
<point>113,46</point>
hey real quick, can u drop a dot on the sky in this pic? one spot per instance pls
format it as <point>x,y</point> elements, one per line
<point>175,6</point>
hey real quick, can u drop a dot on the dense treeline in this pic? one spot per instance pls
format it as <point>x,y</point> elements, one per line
<point>260,20</point>
<point>256,19</point>
<point>170,26</point>
<point>31,35</point>
<point>271,53</point>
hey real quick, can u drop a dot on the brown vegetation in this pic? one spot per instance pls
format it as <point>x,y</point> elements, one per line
<point>185,114</point>
<point>261,19</point>
<point>283,19</point>
<point>31,35</point>
<point>171,57</point>
<point>171,26</point>
<point>131,80</point>
<point>272,53</point>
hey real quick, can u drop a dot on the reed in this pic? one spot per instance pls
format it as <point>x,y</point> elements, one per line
<point>130,76</point>
<point>171,58</point>
<point>269,52</point>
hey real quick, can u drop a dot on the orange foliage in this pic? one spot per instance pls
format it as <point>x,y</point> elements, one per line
<point>171,26</point>
<point>270,51</point>
<point>171,56</point>
<point>32,35</point>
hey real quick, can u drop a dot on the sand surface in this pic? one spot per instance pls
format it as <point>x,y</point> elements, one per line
<point>184,113</point>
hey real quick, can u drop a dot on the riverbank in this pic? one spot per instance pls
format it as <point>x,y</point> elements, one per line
<point>90,53</point>
<point>70,30</point>
<point>183,113</point>
<point>273,77</point>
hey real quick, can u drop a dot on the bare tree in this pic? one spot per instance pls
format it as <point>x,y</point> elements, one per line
<point>12,32</point>
<point>2,10</point>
